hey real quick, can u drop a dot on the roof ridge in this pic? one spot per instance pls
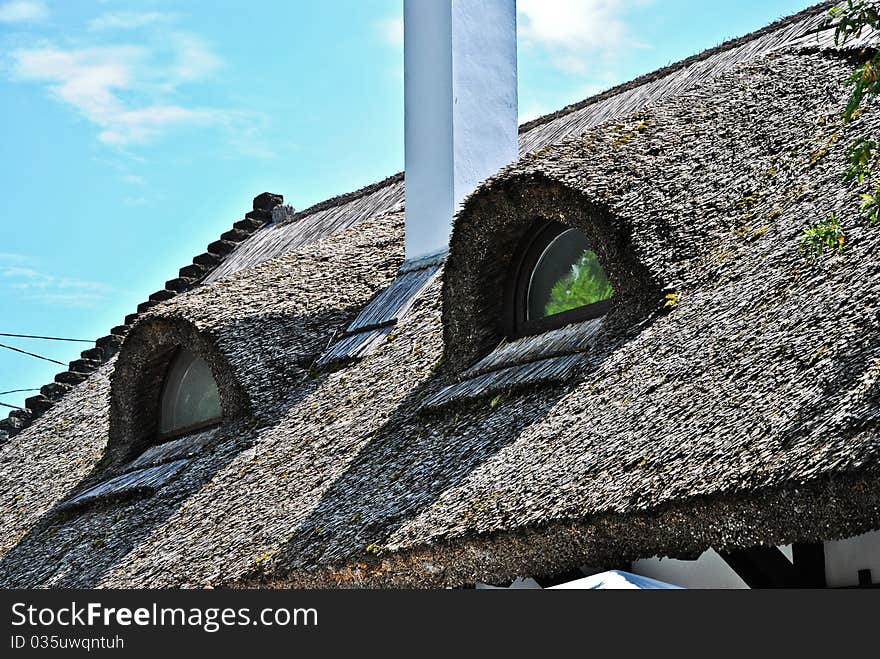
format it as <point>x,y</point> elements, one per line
<point>344,198</point>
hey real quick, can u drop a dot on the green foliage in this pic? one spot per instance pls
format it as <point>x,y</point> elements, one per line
<point>585,284</point>
<point>871,204</point>
<point>862,155</point>
<point>865,81</point>
<point>852,19</point>
<point>817,237</point>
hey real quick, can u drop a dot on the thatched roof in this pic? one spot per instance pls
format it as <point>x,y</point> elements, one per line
<point>744,413</point>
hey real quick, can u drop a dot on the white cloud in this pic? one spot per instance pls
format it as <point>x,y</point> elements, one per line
<point>390,30</point>
<point>134,179</point>
<point>23,11</point>
<point>139,126</point>
<point>21,276</point>
<point>194,58</point>
<point>128,20</point>
<point>86,79</point>
<point>120,88</point>
<point>575,32</point>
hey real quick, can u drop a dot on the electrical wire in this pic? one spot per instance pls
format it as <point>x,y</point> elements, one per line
<point>15,407</point>
<point>31,354</point>
<point>44,338</point>
<point>16,391</point>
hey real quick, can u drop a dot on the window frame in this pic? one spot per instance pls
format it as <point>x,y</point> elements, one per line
<point>177,433</point>
<point>525,259</point>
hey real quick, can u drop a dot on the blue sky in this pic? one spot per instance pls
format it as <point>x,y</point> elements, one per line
<point>134,133</point>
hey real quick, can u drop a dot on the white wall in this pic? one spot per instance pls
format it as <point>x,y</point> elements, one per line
<point>460,102</point>
<point>708,571</point>
<point>844,559</point>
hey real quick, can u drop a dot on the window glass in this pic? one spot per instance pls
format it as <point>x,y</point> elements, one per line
<point>190,397</point>
<point>567,276</point>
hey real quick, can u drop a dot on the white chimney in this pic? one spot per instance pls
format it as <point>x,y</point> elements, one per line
<point>460,100</point>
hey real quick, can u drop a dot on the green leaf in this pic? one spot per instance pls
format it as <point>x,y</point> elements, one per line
<point>585,284</point>
<point>817,237</point>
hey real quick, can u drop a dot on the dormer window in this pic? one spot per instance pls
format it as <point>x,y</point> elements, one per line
<point>190,398</point>
<point>171,380</point>
<point>556,279</point>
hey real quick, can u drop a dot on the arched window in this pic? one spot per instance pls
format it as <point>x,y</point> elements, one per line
<point>190,399</point>
<point>555,279</point>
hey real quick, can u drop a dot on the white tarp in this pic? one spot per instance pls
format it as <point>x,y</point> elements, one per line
<point>616,580</point>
